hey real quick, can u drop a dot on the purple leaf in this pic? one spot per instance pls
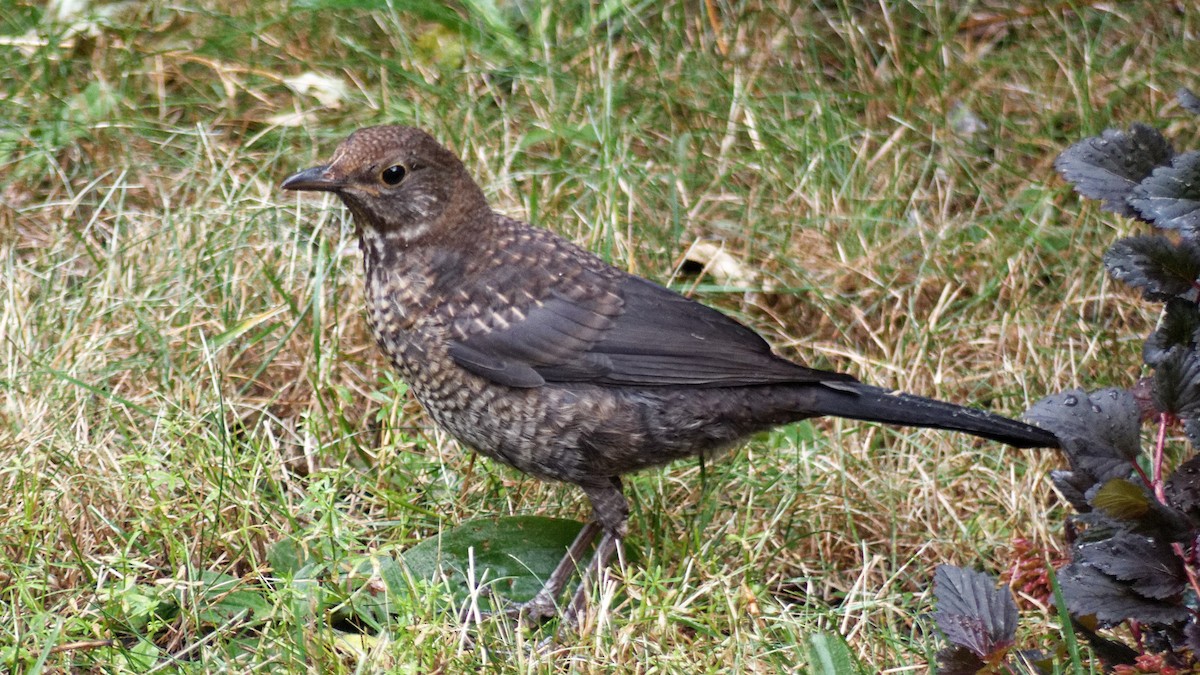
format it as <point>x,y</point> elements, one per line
<point>1183,487</point>
<point>1157,265</point>
<point>1088,591</point>
<point>1188,101</point>
<point>1150,566</point>
<point>1109,166</point>
<point>1170,197</point>
<point>956,660</point>
<point>972,612</point>
<point>1176,388</point>
<point>1178,328</point>
<point>1099,431</point>
<point>1073,486</point>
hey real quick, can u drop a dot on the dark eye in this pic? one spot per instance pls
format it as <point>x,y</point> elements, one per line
<point>393,174</point>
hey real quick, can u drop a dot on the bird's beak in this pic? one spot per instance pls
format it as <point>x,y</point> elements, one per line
<point>318,178</point>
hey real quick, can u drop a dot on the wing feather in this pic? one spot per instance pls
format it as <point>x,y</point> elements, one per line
<point>634,333</point>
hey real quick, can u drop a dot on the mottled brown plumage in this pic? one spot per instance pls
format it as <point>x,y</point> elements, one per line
<point>538,354</point>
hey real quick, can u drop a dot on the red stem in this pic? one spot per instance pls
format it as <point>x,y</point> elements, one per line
<point>1160,493</point>
<point>1159,451</point>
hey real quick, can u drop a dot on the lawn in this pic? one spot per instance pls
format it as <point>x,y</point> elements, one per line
<point>206,461</point>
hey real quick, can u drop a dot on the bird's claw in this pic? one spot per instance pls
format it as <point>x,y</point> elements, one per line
<point>537,610</point>
<point>533,612</point>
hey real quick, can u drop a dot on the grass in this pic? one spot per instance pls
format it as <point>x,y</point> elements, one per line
<point>186,379</point>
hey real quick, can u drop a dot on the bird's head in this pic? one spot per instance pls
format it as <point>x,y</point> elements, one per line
<point>398,182</point>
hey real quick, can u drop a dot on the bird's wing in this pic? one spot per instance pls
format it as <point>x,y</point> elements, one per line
<point>632,333</point>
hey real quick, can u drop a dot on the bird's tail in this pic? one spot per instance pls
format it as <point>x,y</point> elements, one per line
<point>874,404</point>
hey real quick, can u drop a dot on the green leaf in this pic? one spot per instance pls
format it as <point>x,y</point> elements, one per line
<point>220,597</point>
<point>828,654</point>
<point>442,46</point>
<point>480,20</point>
<point>1122,499</point>
<point>513,555</point>
<point>373,584</point>
<point>244,326</point>
<point>141,657</point>
<point>286,557</point>
<point>1132,505</point>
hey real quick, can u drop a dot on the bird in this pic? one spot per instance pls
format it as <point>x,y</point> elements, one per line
<point>537,353</point>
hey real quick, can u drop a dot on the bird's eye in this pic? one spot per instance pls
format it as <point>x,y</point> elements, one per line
<point>393,174</point>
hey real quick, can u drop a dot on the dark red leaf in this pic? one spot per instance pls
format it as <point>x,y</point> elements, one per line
<point>1179,327</point>
<point>1183,487</point>
<point>1109,166</point>
<point>957,660</point>
<point>1187,100</point>
<point>1149,565</point>
<point>972,612</point>
<point>1099,431</point>
<point>1088,591</point>
<point>1161,268</point>
<point>1170,197</point>
<point>1177,383</point>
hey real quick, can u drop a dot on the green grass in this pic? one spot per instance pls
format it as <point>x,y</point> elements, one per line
<point>186,379</point>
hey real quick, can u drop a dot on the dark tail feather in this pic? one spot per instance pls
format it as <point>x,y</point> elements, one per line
<point>874,404</point>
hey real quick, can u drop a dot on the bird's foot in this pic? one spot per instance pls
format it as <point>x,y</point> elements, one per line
<point>544,606</point>
<point>535,611</point>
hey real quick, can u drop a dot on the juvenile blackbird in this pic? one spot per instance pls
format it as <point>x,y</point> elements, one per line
<point>539,354</point>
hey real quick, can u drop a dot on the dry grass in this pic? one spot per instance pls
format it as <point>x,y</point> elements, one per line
<point>186,379</point>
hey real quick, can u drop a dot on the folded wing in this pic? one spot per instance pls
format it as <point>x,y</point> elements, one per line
<point>630,333</point>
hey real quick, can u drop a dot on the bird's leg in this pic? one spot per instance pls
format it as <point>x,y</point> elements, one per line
<point>544,605</point>
<point>610,511</point>
<point>609,543</point>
